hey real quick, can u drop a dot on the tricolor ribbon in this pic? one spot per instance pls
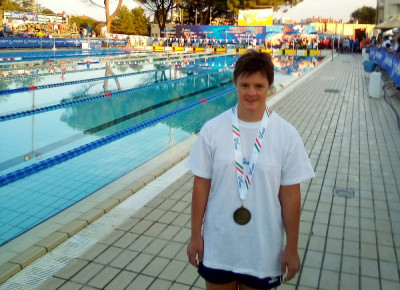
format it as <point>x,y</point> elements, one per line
<point>254,154</point>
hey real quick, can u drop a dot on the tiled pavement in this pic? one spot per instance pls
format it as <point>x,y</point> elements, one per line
<point>345,243</point>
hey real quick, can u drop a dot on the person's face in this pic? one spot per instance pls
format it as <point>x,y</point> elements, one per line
<point>252,93</point>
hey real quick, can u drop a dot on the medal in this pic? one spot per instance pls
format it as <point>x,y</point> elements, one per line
<point>242,216</point>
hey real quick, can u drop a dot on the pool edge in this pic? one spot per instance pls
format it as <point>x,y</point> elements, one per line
<point>146,173</point>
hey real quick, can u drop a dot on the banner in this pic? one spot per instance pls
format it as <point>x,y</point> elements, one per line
<point>389,61</point>
<point>255,17</point>
<point>24,16</point>
<point>232,34</point>
<point>21,42</point>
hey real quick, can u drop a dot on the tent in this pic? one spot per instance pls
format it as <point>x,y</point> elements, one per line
<point>393,22</point>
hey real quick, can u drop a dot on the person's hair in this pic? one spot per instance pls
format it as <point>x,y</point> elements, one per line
<point>253,62</point>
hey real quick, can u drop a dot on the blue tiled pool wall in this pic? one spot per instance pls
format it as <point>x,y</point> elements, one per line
<point>45,133</point>
<point>49,191</point>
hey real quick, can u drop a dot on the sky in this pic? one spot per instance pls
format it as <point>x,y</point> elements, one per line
<point>336,9</point>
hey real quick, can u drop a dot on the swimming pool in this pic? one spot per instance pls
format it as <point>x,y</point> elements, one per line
<point>70,126</point>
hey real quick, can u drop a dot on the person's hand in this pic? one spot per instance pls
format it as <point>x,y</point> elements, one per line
<point>290,264</point>
<point>195,250</point>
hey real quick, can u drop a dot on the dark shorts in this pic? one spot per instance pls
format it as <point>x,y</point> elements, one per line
<point>216,276</point>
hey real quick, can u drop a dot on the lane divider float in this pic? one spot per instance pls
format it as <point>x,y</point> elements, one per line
<point>70,154</point>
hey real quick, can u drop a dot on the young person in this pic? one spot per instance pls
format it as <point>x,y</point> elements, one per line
<point>247,163</point>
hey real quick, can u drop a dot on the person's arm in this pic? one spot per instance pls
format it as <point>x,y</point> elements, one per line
<point>290,199</point>
<point>201,191</point>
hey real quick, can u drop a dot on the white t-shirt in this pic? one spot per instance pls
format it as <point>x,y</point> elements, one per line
<point>255,248</point>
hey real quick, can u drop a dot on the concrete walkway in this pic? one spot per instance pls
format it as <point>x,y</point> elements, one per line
<point>350,218</point>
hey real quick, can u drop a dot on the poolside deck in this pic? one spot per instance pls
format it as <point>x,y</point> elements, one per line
<point>345,242</point>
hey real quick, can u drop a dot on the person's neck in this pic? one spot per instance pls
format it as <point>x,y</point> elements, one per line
<point>250,116</point>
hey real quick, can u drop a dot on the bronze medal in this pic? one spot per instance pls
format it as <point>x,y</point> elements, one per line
<point>242,216</point>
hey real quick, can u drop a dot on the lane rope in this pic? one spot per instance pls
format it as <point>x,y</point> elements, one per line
<point>27,113</point>
<point>70,154</point>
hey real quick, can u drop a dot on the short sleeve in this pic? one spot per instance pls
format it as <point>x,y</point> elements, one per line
<point>200,160</point>
<point>296,165</point>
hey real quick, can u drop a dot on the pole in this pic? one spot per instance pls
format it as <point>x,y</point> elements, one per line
<point>333,44</point>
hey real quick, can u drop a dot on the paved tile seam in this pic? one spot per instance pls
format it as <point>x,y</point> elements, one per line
<point>29,255</point>
<point>347,133</point>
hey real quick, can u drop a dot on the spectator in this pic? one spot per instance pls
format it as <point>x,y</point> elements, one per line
<point>386,42</point>
<point>396,46</point>
<point>327,43</point>
<point>9,27</point>
<point>40,34</point>
<point>346,45</point>
<point>55,26</point>
<point>64,16</point>
<point>74,27</point>
<point>49,25</point>
<point>357,46</point>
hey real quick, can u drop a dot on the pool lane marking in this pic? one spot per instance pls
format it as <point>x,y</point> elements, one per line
<point>139,59</point>
<point>50,147</point>
<point>24,89</point>
<point>151,108</point>
<point>59,55</point>
<point>55,160</point>
<point>94,98</point>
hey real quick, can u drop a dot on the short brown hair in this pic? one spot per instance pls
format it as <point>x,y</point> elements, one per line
<point>253,62</point>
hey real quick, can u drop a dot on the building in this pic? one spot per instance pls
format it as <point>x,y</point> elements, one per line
<point>387,9</point>
<point>155,29</point>
<point>353,30</point>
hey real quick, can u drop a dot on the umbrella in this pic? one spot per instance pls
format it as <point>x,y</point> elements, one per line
<point>393,22</point>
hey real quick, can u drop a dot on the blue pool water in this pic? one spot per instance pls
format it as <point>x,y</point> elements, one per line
<point>70,126</point>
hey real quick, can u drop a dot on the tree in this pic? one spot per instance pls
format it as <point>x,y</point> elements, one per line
<point>26,5</point>
<point>131,22</point>
<point>141,21</point>
<point>123,21</point>
<point>109,17</point>
<point>84,22</point>
<point>275,4</point>
<point>364,15</point>
<point>228,9</point>
<point>6,5</point>
<point>161,9</point>
<point>46,11</point>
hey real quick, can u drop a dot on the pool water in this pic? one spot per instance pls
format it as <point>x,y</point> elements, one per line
<point>72,126</point>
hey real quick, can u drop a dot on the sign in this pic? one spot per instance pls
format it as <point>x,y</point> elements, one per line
<point>255,17</point>
<point>389,61</point>
<point>232,33</point>
<point>24,16</point>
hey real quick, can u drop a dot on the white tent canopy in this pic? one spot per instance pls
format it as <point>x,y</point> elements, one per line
<point>393,22</point>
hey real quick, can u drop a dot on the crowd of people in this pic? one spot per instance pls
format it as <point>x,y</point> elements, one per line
<point>36,29</point>
<point>343,44</point>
